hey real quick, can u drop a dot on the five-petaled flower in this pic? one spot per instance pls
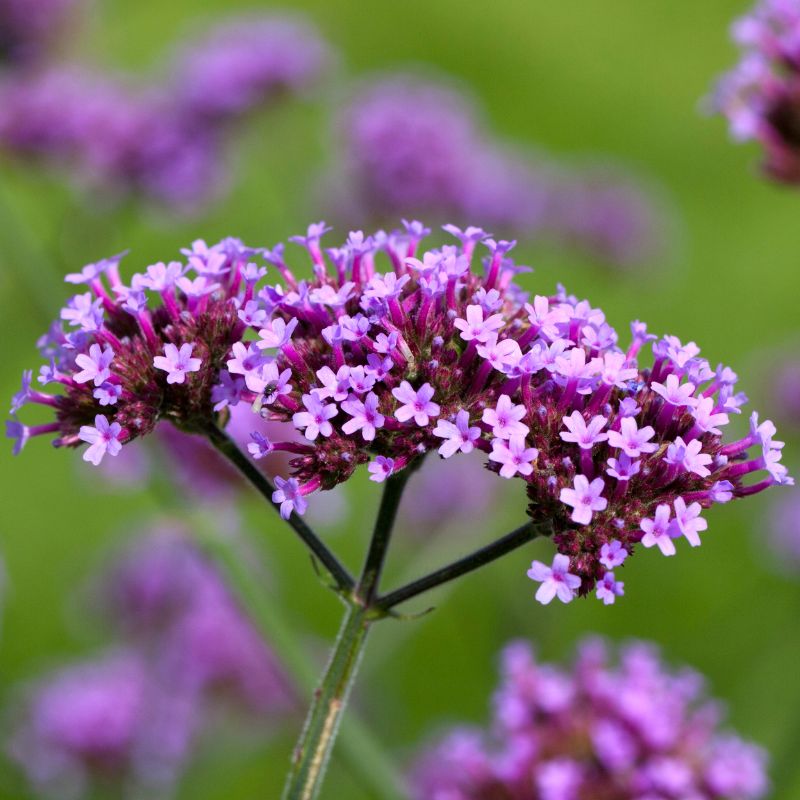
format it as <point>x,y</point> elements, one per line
<point>316,418</point>
<point>289,497</point>
<point>177,363</point>
<point>459,436</point>
<point>584,498</point>
<point>556,580</point>
<point>417,405</point>
<point>104,438</point>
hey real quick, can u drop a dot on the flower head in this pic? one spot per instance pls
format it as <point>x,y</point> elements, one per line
<point>759,96</point>
<point>443,163</point>
<point>630,730</point>
<point>29,29</point>
<point>610,447</point>
<point>161,139</point>
<point>246,62</point>
<point>126,369</point>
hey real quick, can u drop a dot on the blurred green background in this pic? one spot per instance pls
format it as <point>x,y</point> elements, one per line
<point>623,79</point>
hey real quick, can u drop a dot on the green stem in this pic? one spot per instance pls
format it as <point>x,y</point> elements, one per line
<point>479,558</point>
<point>314,747</point>
<point>322,724</point>
<point>359,751</point>
<point>228,448</point>
<point>381,535</point>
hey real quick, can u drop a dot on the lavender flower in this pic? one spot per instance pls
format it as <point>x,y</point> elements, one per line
<point>113,135</point>
<point>545,392</point>
<point>759,96</point>
<point>164,357</point>
<point>163,593</point>
<point>786,391</point>
<point>243,63</point>
<point>784,529</point>
<point>98,723</point>
<point>163,140</point>
<point>440,161</point>
<point>28,29</point>
<point>633,730</point>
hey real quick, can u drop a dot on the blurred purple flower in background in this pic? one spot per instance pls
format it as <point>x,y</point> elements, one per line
<point>413,146</point>
<point>786,391</point>
<point>785,529</point>
<point>164,594</point>
<point>28,28</point>
<point>112,135</point>
<point>760,96</point>
<point>102,722</point>
<point>165,140</point>
<point>132,716</point>
<point>245,62</point>
<point>447,494</point>
<point>635,730</point>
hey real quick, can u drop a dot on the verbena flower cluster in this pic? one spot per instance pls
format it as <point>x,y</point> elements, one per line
<point>761,95</point>
<point>28,28</point>
<point>786,391</point>
<point>247,61</point>
<point>439,161</point>
<point>164,140</point>
<point>132,715</point>
<point>785,530</point>
<point>443,352</point>
<point>634,730</point>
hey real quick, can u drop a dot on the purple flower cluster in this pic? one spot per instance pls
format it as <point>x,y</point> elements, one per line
<point>246,62</point>
<point>164,141</point>
<point>106,721</point>
<point>761,95</point>
<point>165,596</point>
<point>786,391</point>
<point>413,146</point>
<point>132,355</point>
<point>634,730</point>
<point>131,716</point>
<point>112,135</point>
<point>29,27</point>
<point>434,354</point>
<point>785,530</point>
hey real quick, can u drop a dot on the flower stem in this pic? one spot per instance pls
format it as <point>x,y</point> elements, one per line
<point>381,535</point>
<point>359,750</point>
<point>228,448</point>
<point>479,558</point>
<point>313,750</point>
<point>321,727</point>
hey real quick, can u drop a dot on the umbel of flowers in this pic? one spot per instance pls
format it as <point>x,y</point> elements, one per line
<point>387,353</point>
<point>760,96</point>
<point>632,730</point>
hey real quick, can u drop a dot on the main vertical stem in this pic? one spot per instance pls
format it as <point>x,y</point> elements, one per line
<point>319,732</point>
<point>324,717</point>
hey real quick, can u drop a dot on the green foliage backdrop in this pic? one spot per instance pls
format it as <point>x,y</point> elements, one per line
<point>622,78</point>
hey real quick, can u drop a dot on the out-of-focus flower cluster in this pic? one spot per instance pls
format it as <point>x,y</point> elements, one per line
<point>635,730</point>
<point>29,28</point>
<point>785,530</point>
<point>761,95</point>
<point>417,147</point>
<point>132,715</point>
<point>165,140</point>
<point>786,391</point>
<point>383,367</point>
